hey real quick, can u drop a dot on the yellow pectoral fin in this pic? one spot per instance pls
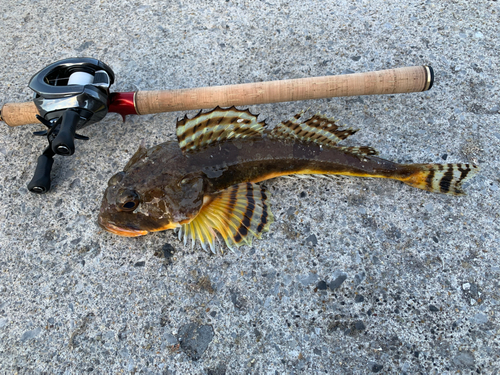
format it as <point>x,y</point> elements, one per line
<point>237,213</point>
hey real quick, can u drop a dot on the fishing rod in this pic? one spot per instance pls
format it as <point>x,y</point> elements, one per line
<point>73,93</point>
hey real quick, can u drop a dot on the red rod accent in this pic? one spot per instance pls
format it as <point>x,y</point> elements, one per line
<point>122,103</point>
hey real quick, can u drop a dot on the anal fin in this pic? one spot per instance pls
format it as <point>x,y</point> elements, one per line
<point>238,213</point>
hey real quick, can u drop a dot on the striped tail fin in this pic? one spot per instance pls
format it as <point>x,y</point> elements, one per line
<point>440,178</point>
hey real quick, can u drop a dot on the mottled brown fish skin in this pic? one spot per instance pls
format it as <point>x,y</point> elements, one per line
<point>171,186</point>
<point>239,161</point>
<point>169,192</point>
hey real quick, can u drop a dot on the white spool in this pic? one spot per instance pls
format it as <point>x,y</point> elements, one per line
<point>80,78</point>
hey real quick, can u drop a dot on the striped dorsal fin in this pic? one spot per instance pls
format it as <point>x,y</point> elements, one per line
<point>139,154</point>
<point>237,213</point>
<point>319,129</point>
<point>359,150</point>
<point>215,126</point>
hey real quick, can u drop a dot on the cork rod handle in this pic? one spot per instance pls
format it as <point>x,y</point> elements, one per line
<point>391,81</point>
<point>15,114</point>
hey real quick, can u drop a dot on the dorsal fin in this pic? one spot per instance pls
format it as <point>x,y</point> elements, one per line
<point>139,154</point>
<point>215,126</point>
<point>359,150</point>
<point>318,129</point>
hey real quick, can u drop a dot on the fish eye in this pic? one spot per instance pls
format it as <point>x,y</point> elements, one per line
<point>127,200</point>
<point>129,205</point>
<point>116,179</point>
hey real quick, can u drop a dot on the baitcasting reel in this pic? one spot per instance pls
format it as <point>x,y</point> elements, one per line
<point>69,95</point>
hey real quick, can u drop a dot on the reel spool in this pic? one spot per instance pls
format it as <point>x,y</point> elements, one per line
<point>69,95</point>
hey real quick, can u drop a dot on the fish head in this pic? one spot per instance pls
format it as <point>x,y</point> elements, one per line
<point>154,192</point>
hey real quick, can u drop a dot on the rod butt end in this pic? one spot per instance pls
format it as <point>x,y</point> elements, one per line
<point>429,77</point>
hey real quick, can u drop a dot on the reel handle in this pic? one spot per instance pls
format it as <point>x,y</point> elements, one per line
<point>64,142</point>
<point>40,183</point>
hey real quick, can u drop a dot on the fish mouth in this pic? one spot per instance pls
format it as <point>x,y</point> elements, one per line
<point>125,232</point>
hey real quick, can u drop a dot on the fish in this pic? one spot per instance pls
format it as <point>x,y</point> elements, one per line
<point>206,185</point>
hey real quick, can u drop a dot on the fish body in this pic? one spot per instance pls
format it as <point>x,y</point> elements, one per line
<point>206,182</point>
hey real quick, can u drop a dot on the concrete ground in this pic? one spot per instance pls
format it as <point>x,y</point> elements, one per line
<point>356,276</point>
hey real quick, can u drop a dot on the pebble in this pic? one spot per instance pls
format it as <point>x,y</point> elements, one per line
<point>219,370</point>
<point>359,298</point>
<point>358,278</point>
<point>464,359</point>
<point>308,279</point>
<point>377,368</point>
<point>31,334</point>
<point>480,318</point>
<point>359,325</point>
<point>321,286</point>
<point>170,339</point>
<point>312,240</point>
<point>339,278</point>
<point>167,251</point>
<point>195,338</point>
<point>75,183</point>
<point>433,308</point>
<point>237,300</point>
<point>131,365</point>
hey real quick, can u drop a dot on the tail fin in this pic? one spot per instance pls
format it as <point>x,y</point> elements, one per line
<point>440,178</point>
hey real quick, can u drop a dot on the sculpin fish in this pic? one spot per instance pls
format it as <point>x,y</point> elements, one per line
<point>206,183</point>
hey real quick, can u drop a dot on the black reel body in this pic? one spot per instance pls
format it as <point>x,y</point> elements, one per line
<point>69,95</point>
